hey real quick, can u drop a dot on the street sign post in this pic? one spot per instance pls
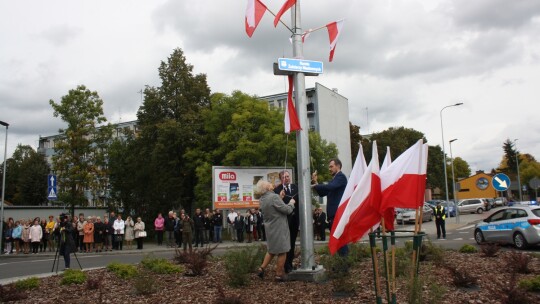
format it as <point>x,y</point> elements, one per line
<point>501,182</point>
<point>300,65</point>
<point>51,185</point>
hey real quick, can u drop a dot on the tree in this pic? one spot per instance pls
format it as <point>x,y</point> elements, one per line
<point>356,138</point>
<point>461,168</point>
<point>241,130</point>
<point>171,126</point>
<point>511,155</point>
<point>81,151</point>
<point>26,177</point>
<point>398,139</point>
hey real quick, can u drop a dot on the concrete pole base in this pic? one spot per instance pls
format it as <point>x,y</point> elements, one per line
<point>317,274</point>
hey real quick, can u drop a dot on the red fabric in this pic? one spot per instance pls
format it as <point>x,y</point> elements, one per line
<point>334,29</point>
<point>256,13</point>
<point>287,5</point>
<point>291,119</point>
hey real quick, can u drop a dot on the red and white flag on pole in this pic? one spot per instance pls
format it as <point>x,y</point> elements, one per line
<point>291,119</point>
<point>362,211</point>
<point>287,5</point>
<point>254,13</point>
<point>403,183</point>
<point>334,30</point>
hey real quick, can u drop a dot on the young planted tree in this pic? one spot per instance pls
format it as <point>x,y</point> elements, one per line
<point>81,151</point>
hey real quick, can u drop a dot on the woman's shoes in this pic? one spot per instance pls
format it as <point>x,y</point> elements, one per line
<point>280,278</point>
<point>260,273</point>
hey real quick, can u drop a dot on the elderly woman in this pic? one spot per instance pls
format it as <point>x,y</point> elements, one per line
<point>88,231</point>
<point>277,229</point>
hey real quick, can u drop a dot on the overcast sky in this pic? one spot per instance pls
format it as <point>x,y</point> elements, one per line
<point>398,62</point>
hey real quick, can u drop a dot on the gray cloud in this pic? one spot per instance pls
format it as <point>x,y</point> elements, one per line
<point>61,34</point>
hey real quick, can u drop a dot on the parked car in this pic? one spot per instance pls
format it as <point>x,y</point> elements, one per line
<point>501,201</point>
<point>471,205</point>
<point>518,225</point>
<point>405,215</point>
<point>451,207</point>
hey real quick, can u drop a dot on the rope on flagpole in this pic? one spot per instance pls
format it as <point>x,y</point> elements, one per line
<point>285,25</point>
<point>319,28</point>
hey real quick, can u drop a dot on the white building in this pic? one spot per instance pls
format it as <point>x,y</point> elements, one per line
<point>328,115</point>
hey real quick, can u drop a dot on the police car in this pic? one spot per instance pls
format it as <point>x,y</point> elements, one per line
<point>519,225</point>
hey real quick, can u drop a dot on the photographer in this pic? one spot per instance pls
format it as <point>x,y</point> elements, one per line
<point>67,244</point>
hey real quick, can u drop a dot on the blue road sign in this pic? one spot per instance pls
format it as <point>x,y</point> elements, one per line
<point>51,185</point>
<point>299,65</point>
<point>52,194</point>
<point>501,182</point>
<point>51,180</point>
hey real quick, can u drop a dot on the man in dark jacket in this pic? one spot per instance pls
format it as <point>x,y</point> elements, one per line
<point>170,223</point>
<point>320,224</point>
<point>290,191</point>
<point>217,220</point>
<point>239,227</point>
<point>333,192</point>
<point>198,221</point>
<point>67,244</point>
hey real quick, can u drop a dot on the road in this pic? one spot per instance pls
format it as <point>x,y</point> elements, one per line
<point>13,268</point>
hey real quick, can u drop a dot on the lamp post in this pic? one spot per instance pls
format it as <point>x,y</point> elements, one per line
<point>453,180</point>
<point>517,166</point>
<point>444,153</point>
<point>5,124</point>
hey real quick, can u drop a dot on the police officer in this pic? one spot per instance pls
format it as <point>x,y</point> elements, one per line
<point>440,217</point>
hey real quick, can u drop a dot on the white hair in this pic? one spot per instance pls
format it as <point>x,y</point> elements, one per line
<point>262,187</point>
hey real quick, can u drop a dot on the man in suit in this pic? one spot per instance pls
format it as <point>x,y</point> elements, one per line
<point>333,191</point>
<point>290,191</point>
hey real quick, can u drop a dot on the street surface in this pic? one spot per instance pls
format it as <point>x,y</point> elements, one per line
<point>16,267</point>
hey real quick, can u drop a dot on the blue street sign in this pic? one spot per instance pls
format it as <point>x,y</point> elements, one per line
<point>52,194</point>
<point>299,65</point>
<point>501,182</point>
<point>51,180</point>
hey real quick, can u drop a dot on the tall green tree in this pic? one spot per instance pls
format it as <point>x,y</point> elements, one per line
<point>32,177</point>
<point>356,138</point>
<point>461,168</point>
<point>81,150</point>
<point>510,158</point>
<point>171,126</point>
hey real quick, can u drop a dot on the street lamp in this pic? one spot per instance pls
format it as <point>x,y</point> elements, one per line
<point>453,180</point>
<point>517,166</point>
<point>5,124</point>
<point>444,153</point>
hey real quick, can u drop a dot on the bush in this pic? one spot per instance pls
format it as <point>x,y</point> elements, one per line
<point>518,262</point>
<point>222,298</point>
<point>490,249</point>
<point>27,284</point>
<point>11,294</point>
<point>239,264</point>
<point>511,293</point>
<point>195,261</point>
<point>359,252</point>
<point>461,277</point>
<point>532,284</point>
<point>468,249</point>
<point>414,291</point>
<point>124,271</point>
<point>72,276</point>
<point>144,283</point>
<point>162,266</point>
<point>403,261</point>
<point>430,252</point>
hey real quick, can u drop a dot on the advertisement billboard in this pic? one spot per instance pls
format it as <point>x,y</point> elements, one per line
<point>233,187</point>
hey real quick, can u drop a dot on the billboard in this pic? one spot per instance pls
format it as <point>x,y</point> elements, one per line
<point>233,187</point>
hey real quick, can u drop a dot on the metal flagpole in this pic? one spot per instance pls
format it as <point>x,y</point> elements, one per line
<point>302,146</point>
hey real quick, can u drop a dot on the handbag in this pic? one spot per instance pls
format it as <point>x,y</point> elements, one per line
<point>142,234</point>
<point>118,238</point>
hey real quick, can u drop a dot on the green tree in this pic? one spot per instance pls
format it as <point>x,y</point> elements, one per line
<point>356,138</point>
<point>32,177</point>
<point>171,126</point>
<point>461,168</point>
<point>511,155</point>
<point>528,168</point>
<point>398,139</point>
<point>81,150</point>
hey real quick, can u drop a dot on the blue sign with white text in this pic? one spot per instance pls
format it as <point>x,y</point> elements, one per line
<point>51,185</point>
<point>501,182</point>
<point>300,65</point>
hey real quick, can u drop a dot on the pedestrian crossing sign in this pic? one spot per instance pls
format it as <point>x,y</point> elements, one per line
<point>52,194</point>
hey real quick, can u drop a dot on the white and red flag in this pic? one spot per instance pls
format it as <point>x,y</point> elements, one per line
<point>287,5</point>
<point>334,30</point>
<point>362,210</point>
<point>389,213</point>
<point>254,13</point>
<point>403,183</point>
<point>291,119</point>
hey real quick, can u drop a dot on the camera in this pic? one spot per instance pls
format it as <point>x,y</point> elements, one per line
<point>63,219</point>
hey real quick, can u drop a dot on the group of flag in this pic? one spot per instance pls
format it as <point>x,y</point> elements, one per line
<point>373,192</point>
<point>255,11</point>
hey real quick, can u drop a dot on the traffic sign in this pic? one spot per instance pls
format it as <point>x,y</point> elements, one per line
<point>300,65</point>
<point>52,194</point>
<point>51,180</point>
<point>501,182</point>
<point>51,185</point>
<point>534,183</point>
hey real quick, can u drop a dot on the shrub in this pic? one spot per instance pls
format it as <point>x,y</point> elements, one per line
<point>403,261</point>
<point>239,264</point>
<point>162,266</point>
<point>195,261</point>
<point>437,293</point>
<point>511,293</point>
<point>430,252</point>
<point>468,249</point>
<point>337,270</point>
<point>72,276</point>
<point>490,249</point>
<point>144,284</point>
<point>124,271</point>
<point>532,284</point>
<point>461,277</point>
<point>324,250</point>
<point>359,252</point>
<point>518,262</point>
<point>414,291</point>
<point>11,294</point>
<point>222,298</point>
<point>27,284</point>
